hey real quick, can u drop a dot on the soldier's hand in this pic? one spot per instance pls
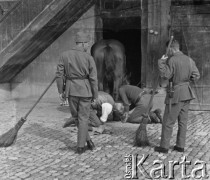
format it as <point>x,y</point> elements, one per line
<point>66,102</point>
<point>164,57</point>
<point>94,103</point>
<point>125,117</point>
<point>193,78</point>
<point>61,96</point>
<point>145,115</point>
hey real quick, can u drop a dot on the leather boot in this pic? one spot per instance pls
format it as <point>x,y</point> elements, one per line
<point>161,150</point>
<point>69,122</point>
<point>80,150</point>
<point>90,145</point>
<point>176,148</point>
<point>158,114</point>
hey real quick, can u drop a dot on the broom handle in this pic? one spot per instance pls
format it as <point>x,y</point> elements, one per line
<point>151,98</point>
<point>155,87</point>
<point>39,98</point>
<point>169,44</point>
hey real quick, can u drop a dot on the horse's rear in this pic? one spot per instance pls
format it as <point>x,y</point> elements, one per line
<point>109,56</point>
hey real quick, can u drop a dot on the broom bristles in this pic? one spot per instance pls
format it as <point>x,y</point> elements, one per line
<point>141,134</point>
<point>8,138</point>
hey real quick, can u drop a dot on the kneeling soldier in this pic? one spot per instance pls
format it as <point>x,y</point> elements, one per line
<point>139,99</point>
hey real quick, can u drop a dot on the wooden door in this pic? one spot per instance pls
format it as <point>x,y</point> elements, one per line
<point>155,26</point>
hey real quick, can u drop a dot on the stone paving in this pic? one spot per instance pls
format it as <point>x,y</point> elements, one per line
<point>45,151</point>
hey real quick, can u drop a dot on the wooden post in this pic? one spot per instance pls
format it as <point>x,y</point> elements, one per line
<point>155,22</point>
<point>98,22</point>
<point>165,24</point>
<point>144,39</point>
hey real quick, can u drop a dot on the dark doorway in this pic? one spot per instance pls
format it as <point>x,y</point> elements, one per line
<point>128,32</point>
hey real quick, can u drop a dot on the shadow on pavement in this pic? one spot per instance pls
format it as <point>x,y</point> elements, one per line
<point>53,134</point>
<point>64,109</point>
<point>126,134</point>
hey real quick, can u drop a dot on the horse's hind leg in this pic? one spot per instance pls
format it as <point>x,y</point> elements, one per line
<point>100,72</point>
<point>100,86</point>
<point>116,89</point>
<point>100,80</point>
<point>106,86</point>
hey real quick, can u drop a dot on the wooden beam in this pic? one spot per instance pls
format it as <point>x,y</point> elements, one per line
<point>189,2</point>
<point>134,12</point>
<point>39,34</point>
<point>9,0</point>
<point>10,10</point>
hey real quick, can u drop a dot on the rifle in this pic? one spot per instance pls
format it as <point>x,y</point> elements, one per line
<point>170,89</point>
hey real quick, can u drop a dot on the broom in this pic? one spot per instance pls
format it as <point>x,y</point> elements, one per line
<point>10,136</point>
<point>141,133</point>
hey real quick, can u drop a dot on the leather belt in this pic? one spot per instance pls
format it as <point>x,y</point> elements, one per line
<point>82,77</point>
<point>181,84</point>
<point>139,96</point>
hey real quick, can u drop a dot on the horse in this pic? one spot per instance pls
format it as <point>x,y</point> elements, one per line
<point>110,60</point>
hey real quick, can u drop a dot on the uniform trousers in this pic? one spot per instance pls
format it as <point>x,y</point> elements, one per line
<point>80,111</point>
<point>140,108</point>
<point>178,112</point>
<point>94,120</point>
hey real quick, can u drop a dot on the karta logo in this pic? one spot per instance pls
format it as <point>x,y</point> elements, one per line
<point>135,168</point>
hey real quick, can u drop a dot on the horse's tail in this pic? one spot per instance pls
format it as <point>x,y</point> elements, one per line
<point>109,61</point>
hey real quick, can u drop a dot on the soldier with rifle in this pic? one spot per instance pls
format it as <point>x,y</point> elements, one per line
<point>179,69</point>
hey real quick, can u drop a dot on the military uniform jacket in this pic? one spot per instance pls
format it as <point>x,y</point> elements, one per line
<point>129,95</point>
<point>181,69</point>
<point>104,97</point>
<point>79,69</point>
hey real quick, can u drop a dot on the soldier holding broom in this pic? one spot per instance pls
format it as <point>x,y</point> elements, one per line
<point>81,86</point>
<point>179,69</point>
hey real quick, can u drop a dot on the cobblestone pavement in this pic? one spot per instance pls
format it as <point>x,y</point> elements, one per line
<point>44,150</point>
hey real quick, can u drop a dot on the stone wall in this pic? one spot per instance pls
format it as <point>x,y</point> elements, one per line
<point>32,81</point>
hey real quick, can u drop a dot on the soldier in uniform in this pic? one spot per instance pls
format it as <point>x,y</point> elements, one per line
<point>81,86</point>
<point>139,99</point>
<point>179,69</point>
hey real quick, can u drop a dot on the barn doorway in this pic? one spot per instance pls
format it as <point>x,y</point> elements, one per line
<point>128,32</point>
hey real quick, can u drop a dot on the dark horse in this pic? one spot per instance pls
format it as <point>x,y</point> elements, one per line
<point>109,56</point>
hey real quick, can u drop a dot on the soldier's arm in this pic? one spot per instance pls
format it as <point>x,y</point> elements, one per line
<point>166,69</point>
<point>60,75</point>
<point>93,78</point>
<point>195,75</point>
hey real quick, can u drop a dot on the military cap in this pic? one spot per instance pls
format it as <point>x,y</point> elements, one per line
<point>175,44</point>
<point>82,37</point>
